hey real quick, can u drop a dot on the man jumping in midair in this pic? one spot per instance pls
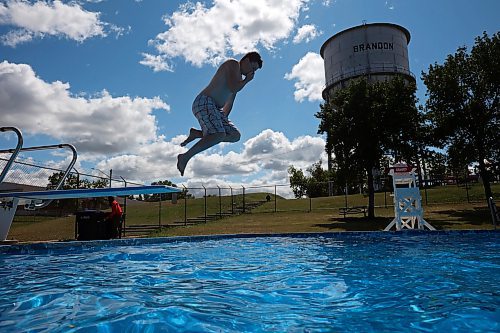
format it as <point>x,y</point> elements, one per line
<point>214,103</point>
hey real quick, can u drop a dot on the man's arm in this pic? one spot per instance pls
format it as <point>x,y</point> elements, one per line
<point>226,109</point>
<point>233,76</point>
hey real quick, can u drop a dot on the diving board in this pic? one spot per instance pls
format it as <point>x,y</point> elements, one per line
<point>90,192</point>
<point>10,200</point>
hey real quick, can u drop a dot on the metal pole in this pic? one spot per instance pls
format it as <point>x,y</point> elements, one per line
<point>467,185</point>
<point>493,212</point>
<point>185,205</point>
<point>159,212</point>
<point>232,201</point>
<point>220,203</point>
<point>275,198</point>
<point>205,202</point>
<point>345,195</point>
<point>124,208</point>
<point>385,197</point>
<point>110,176</point>
<point>243,198</point>
<point>77,200</point>
<point>14,152</point>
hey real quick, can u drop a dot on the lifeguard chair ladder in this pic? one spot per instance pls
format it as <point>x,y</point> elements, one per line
<point>408,211</point>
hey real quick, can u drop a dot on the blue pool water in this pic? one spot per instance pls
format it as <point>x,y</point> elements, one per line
<point>343,282</point>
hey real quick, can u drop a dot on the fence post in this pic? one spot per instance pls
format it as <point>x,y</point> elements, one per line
<point>310,204</point>
<point>185,205</point>
<point>243,198</point>
<point>275,198</point>
<point>467,186</point>
<point>425,192</point>
<point>232,201</point>
<point>345,195</point>
<point>205,202</point>
<point>220,203</point>
<point>124,220</point>
<point>159,212</point>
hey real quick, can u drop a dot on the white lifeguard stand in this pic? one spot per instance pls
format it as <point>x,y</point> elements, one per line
<point>408,212</point>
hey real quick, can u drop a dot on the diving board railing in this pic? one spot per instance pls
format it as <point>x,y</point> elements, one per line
<point>14,152</point>
<point>33,204</point>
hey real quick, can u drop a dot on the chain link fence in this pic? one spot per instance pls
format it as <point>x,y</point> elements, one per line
<point>203,204</point>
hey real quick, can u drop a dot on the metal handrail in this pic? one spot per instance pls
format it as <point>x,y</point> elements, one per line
<point>14,152</point>
<point>494,212</point>
<point>389,69</point>
<point>63,178</point>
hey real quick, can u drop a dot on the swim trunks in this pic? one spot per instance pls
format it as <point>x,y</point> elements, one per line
<point>211,118</point>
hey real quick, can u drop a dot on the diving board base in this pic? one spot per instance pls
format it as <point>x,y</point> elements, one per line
<point>7,212</point>
<point>10,200</point>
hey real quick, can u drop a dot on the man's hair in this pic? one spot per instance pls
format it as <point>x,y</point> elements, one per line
<point>111,198</point>
<point>253,57</point>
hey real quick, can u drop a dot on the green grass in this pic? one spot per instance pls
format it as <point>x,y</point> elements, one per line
<point>447,209</point>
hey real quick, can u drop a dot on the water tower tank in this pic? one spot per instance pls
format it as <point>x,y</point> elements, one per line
<point>376,51</point>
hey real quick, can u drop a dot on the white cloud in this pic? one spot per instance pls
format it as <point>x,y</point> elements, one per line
<point>102,124</point>
<point>120,133</point>
<point>157,63</point>
<point>306,32</point>
<point>268,151</point>
<point>206,35</point>
<point>309,74</point>
<point>48,18</point>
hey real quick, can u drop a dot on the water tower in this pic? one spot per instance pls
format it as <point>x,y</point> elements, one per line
<point>376,51</point>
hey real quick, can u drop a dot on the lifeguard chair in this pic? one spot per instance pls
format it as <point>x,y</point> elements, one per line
<point>408,212</point>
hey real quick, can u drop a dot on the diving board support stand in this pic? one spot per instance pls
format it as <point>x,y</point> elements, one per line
<point>7,212</point>
<point>408,211</point>
<point>9,200</point>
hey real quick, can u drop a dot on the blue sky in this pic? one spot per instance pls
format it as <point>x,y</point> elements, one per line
<point>116,78</point>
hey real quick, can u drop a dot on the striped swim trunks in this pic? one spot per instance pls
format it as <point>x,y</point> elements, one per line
<point>211,118</point>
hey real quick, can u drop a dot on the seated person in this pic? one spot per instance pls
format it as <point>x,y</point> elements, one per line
<point>114,218</point>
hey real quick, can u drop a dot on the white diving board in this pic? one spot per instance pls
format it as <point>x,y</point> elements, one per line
<point>90,192</point>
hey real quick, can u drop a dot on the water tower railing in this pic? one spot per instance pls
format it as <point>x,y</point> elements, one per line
<point>373,69</point>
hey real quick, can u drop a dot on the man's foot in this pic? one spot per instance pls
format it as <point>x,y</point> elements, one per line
<point>193,134</point>
<point>181,164</point>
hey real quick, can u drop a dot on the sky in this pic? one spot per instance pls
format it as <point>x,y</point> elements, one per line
<point>116,78</point>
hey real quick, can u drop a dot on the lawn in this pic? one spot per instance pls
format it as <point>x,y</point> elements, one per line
<point>447,209</point>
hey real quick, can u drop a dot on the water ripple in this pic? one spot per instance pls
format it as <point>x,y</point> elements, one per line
<point>311,284</point>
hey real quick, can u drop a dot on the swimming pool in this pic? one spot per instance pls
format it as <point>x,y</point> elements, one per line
<point>339,282</point>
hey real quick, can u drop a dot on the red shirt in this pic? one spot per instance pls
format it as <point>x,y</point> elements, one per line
<point>116,210</point>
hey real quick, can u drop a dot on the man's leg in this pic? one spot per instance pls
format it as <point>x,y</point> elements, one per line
<point>205,142</point>
<point>193,134</point>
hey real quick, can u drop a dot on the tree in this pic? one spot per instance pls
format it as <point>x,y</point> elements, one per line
<point>463,105</point>
<point>435,163</point>
<point>315,185</point>
<point>298,182</point>
<point>364,120</point>
<point>71,182</point>
<point>164,196</point>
